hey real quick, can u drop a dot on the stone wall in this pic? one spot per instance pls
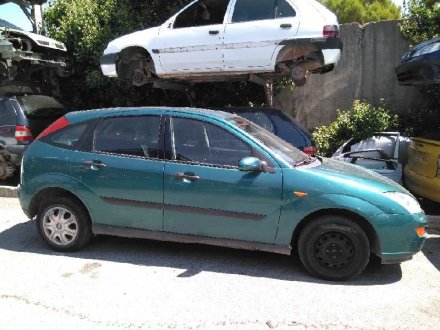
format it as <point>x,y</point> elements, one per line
<point>365,71</point>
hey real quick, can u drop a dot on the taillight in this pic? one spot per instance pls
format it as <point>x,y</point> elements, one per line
<point>55,126</point>
<point>310,150</point>
<point>331,31</point>
<point>23,134</point>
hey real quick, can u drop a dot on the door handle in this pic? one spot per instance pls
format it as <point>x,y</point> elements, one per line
<point>94,163</point>
<point>187,176</point>
<point>285,26</point>
<point>214,32</point>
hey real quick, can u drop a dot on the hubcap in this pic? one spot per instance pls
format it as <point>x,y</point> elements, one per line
<point>334,250</point>
<point>60,225</point>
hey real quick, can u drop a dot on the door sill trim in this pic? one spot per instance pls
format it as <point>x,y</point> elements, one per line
<point>99,229</point>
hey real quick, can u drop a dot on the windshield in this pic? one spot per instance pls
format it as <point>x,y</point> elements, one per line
<point>281,148</point>
<point>41,106</point>
<point>6,24</point>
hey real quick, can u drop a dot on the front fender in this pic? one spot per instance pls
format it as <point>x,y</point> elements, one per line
<point>295,210</point>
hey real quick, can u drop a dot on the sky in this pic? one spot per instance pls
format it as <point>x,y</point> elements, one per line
<point>13,14</point>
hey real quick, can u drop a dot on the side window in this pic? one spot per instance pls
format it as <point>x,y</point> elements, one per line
<point>201,142</point>
<point>253,10</point>
<point>203,12</point>
<point>131,136</point>
<point>284,9</point>
<point>68,137</point>
<point>7,115</point>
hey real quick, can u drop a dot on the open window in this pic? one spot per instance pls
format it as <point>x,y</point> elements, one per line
<point>201,13</point>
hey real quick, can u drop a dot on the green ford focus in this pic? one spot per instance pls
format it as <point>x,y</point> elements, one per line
<point>209,177</point>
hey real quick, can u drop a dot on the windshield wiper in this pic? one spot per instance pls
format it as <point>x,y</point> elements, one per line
<point>305,162</point>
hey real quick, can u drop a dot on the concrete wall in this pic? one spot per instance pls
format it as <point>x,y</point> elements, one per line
<point>365,71</point>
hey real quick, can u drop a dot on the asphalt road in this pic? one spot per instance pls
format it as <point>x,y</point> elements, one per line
<point>121,283</point>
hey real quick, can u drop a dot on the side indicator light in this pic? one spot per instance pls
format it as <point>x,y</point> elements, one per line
<point>300,194</point>
<point>421,231</point>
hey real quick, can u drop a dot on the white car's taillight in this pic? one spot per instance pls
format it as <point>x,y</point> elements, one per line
<point>331,31</point>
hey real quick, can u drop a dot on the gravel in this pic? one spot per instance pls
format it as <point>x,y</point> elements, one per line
<point>119,283</point>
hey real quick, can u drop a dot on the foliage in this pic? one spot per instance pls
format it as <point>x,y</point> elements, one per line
<point>422,20</point>
<point>359,123</point>
<point>86,27</point>
<point>363,11</point>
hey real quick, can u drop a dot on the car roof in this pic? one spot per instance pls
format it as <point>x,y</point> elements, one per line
<point>133,111</point>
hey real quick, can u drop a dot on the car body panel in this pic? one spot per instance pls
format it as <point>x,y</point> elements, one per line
<point>223,206</point>
<point>422,173</point>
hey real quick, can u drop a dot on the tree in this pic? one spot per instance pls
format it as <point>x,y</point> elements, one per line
<point>422,20</point>
<point>363,11</point>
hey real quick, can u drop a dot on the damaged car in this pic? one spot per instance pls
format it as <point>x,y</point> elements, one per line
<point>421,65</point>
<point>26,56</point>
<point>218,40</point>
<point>384,153</point>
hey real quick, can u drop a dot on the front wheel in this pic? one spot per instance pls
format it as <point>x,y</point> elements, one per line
<point>64,224</point>
<point>334,248</point>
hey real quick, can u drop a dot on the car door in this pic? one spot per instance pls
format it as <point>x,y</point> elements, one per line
<point>205,192</point>
<point>124,171</point>
<point>192,42</point>
<point>253,32</point>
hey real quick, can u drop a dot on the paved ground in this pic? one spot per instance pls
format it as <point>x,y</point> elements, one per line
<point>119,283</point>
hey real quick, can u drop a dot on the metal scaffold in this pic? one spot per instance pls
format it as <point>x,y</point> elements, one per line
<point>33,11</point>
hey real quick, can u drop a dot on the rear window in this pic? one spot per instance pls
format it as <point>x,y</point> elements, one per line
<point>435,135</point>
<point>7,115</point>
<point>41,106</point>
<point>259,118</point>
<point>290,132</point>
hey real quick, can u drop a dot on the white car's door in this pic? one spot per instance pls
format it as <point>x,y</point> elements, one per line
<point>193,40</point>
<point>253,31</point>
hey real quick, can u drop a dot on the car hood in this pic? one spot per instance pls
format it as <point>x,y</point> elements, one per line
<point>331,176</point>
<point>40,40</point>
<point>135,39</point>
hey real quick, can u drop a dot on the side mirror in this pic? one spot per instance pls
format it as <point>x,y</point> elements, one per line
<point>250,164</point>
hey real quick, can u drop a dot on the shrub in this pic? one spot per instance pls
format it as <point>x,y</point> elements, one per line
<point>362,121</point>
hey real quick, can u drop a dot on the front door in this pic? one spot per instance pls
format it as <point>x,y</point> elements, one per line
<point>124,172</point>
<point>254,31</point>
<point>193,41</point>
<point>205,192</point>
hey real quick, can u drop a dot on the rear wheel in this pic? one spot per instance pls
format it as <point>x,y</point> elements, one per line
<point>64,224</point>
<point>334,248</point>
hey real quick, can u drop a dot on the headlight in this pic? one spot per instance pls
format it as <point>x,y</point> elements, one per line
<point>406,201</point>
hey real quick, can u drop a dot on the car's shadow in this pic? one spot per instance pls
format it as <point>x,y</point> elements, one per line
<point>192,259</point>
<point>432,248</point>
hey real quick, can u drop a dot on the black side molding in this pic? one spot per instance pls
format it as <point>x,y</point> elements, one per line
<point>108,59</point>
<point>320,43</point>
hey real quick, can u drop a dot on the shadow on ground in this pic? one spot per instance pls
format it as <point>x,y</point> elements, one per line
<point>432,248</point>
<point>192,259</point>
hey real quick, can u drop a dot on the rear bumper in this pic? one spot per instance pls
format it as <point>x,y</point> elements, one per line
<point>108,64</point>
<point>423,186</point>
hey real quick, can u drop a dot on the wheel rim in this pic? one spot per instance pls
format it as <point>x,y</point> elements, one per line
<point>60,225</point>
<point>334,250</point>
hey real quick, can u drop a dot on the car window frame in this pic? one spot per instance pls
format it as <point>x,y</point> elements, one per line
<point>161,143</point>
<point>231,11</point>
<point>170,23</point>
<point>270,164</point>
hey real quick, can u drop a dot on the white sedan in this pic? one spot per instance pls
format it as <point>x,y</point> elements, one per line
<point>215,40</point>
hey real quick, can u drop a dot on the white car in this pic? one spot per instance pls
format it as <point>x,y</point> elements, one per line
<point>25,54</point>
<point>215,40</point>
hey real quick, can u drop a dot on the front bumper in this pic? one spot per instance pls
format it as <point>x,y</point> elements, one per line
<point>108,64</point>
<point>397,236</point>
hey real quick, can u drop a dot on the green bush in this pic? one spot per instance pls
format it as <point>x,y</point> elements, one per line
<point>362,121</point>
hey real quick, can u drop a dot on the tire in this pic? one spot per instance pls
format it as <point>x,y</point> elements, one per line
<point>64,224</point>
<point>334,248</point>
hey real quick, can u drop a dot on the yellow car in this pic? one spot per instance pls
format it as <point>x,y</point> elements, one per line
<point>422,173</point>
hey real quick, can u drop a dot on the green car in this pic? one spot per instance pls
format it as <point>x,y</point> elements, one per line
<point>209,177</point>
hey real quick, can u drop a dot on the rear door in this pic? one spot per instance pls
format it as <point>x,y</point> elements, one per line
<point>124,170</point>
<point>253,33</point>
